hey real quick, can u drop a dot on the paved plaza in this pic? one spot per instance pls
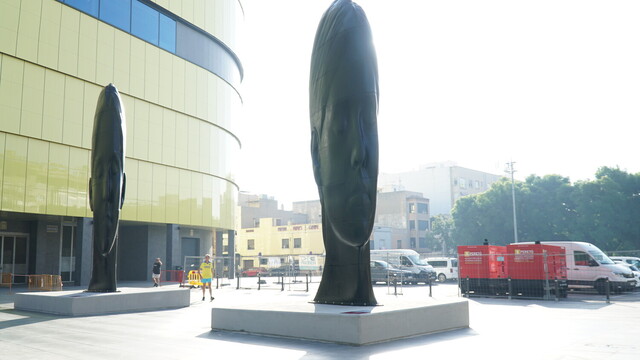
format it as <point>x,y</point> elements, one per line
<point>580,327</point>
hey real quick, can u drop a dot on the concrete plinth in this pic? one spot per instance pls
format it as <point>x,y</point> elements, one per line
<point>81,303</point>
<point>354,325</point>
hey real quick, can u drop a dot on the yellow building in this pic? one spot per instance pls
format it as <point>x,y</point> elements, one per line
<point>255,246</point>
<point>175,65</point>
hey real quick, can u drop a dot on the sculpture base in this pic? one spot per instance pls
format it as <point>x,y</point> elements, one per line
<point>84,303</point>
<point>353,325</point>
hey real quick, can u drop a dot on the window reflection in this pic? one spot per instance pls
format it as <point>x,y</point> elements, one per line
<point>88,6</point>
<point>167,34</point>
<point>144,22</point>
<point>116,13</point>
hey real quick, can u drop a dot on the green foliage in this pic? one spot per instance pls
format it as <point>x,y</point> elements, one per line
<point>605,211</point>
<point>440,238</point>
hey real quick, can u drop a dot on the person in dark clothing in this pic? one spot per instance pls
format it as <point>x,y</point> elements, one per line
<point>155,272</point>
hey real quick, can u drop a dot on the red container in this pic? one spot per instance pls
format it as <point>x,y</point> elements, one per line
<point>482,262</point>
<point>536,262</point>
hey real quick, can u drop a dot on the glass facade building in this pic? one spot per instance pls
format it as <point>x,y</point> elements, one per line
<point>178,75</point>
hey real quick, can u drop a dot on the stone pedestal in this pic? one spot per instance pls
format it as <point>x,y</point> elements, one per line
<point>354,325</point>
<point>81,303</point>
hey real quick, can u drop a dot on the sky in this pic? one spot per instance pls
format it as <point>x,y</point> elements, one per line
<point>553,86</point>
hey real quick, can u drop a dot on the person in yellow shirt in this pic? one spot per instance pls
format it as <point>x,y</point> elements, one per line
<point>206,274</point>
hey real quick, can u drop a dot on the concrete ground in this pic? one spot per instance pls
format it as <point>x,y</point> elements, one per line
<point>579,327</point>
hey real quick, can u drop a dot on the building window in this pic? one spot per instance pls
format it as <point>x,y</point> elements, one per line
<point>285,243</point>
<point>264,261</point>
<point>412,243</point>
<point>423,225</point>
<point>399,244</point>
<point>251,244</point>
<point>462,183</point>
<point>145,22</point>
<point>423,208</point>
<point>412,208</point>
<point>87,6</point>
<point>297,243</point>
<point>116,13</point>
<point>422,242</point>
<point>412,225</point>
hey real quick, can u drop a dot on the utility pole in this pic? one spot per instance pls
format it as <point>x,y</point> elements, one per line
<point>510,170</point>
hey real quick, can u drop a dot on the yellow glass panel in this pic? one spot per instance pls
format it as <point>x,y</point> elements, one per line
<point>49,42</point>
<point>145,190</point>
<point>198,12</point>
<point>155,133</point>
<point>130,207</point>
<point>159,197</point>
<point>207,213</point>
<point>36,182</point>
<point>173,195</point>
<point>11,77</point>
<point>178,83</point>
<point>141,130</point>
<point>87,46</point>
<point>69,39</point>
<point>202,95</point>
<point>121,62</point>
<point>215,199</point>
<point>15,171</point>
<point>205,147</point>
<point>73,111</point>
<point>53,106</point>
<point>190,89</point>
<point>151,72</point>
<point>168,137</point>
<point>91,93</point>
<point>104,70</point>
<point>196,198</point>
<point>32,101</point>
<point>136,74</point>
<point>58,179</point>
<point>212,99</point>
<point>129,113</point>
<point>194,143</point>
<point>165,79</point>
<point>209,16</point>
<point>79,173</point>
<point>182,140</point>
<point>187,11</point>
<point>28,30</point>
<point>185,197</point>
<point>9,18</point>
<point>2,141</point>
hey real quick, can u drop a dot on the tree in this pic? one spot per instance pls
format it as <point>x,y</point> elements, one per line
<point>440,238</point>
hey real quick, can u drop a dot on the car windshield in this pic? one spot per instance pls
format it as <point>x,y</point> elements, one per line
<point>416,260</point>
<point>600,257</point>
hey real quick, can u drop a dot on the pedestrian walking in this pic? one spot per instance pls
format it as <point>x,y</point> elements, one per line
<point>206,273</point>
<point>155,272</point>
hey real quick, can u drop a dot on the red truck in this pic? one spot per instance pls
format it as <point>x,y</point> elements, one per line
<point>517,269</point>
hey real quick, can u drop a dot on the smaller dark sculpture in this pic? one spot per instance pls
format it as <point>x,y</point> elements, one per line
<point>107,186</point>
<point>343,106</point>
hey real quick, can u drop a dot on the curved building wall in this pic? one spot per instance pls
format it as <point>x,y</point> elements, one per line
<point>181,143</point>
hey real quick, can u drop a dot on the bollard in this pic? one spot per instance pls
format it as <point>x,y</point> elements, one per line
<point>509,284</point>
<point>557,289</point>
<point>395,287</point>
<point>430,293</point>
<point>259,282</point>
<point>307,280</point>
<point>607,290</point>
<point>238,283</point>
<point>282,283</point>
<point>217,282</point>
<point>467,287</point>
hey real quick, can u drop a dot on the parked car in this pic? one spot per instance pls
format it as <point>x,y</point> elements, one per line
<point>446,267</point>
<point>284,270</point>
<point>382,271</point>
<point>254,271</point>
<point>634,269</point>
<point>407,259</point>
<point>635,261</point>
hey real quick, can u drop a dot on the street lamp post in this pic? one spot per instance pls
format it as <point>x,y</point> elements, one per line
<point>510,170</point>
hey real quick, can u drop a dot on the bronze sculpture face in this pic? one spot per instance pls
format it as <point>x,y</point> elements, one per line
<point>344,149</point>
<point>107,186</point>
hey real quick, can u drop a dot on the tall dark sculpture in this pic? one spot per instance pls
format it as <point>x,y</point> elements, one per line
<point>344,149</point>
<point>107,186</point>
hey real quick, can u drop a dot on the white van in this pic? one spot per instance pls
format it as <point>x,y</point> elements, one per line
<point>446,267</point>
<point>589,267</point>
<point>407,259</point>
<point>628,259</point>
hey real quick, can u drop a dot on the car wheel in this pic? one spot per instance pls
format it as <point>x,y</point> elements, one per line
<point>442,278</point>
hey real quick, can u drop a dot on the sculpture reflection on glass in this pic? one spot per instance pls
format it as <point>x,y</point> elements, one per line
<point>343,108</point>
<point>107,186</point>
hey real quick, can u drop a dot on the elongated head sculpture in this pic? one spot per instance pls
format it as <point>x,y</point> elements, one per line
<point>107,186</point>
<point>344,149</point>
